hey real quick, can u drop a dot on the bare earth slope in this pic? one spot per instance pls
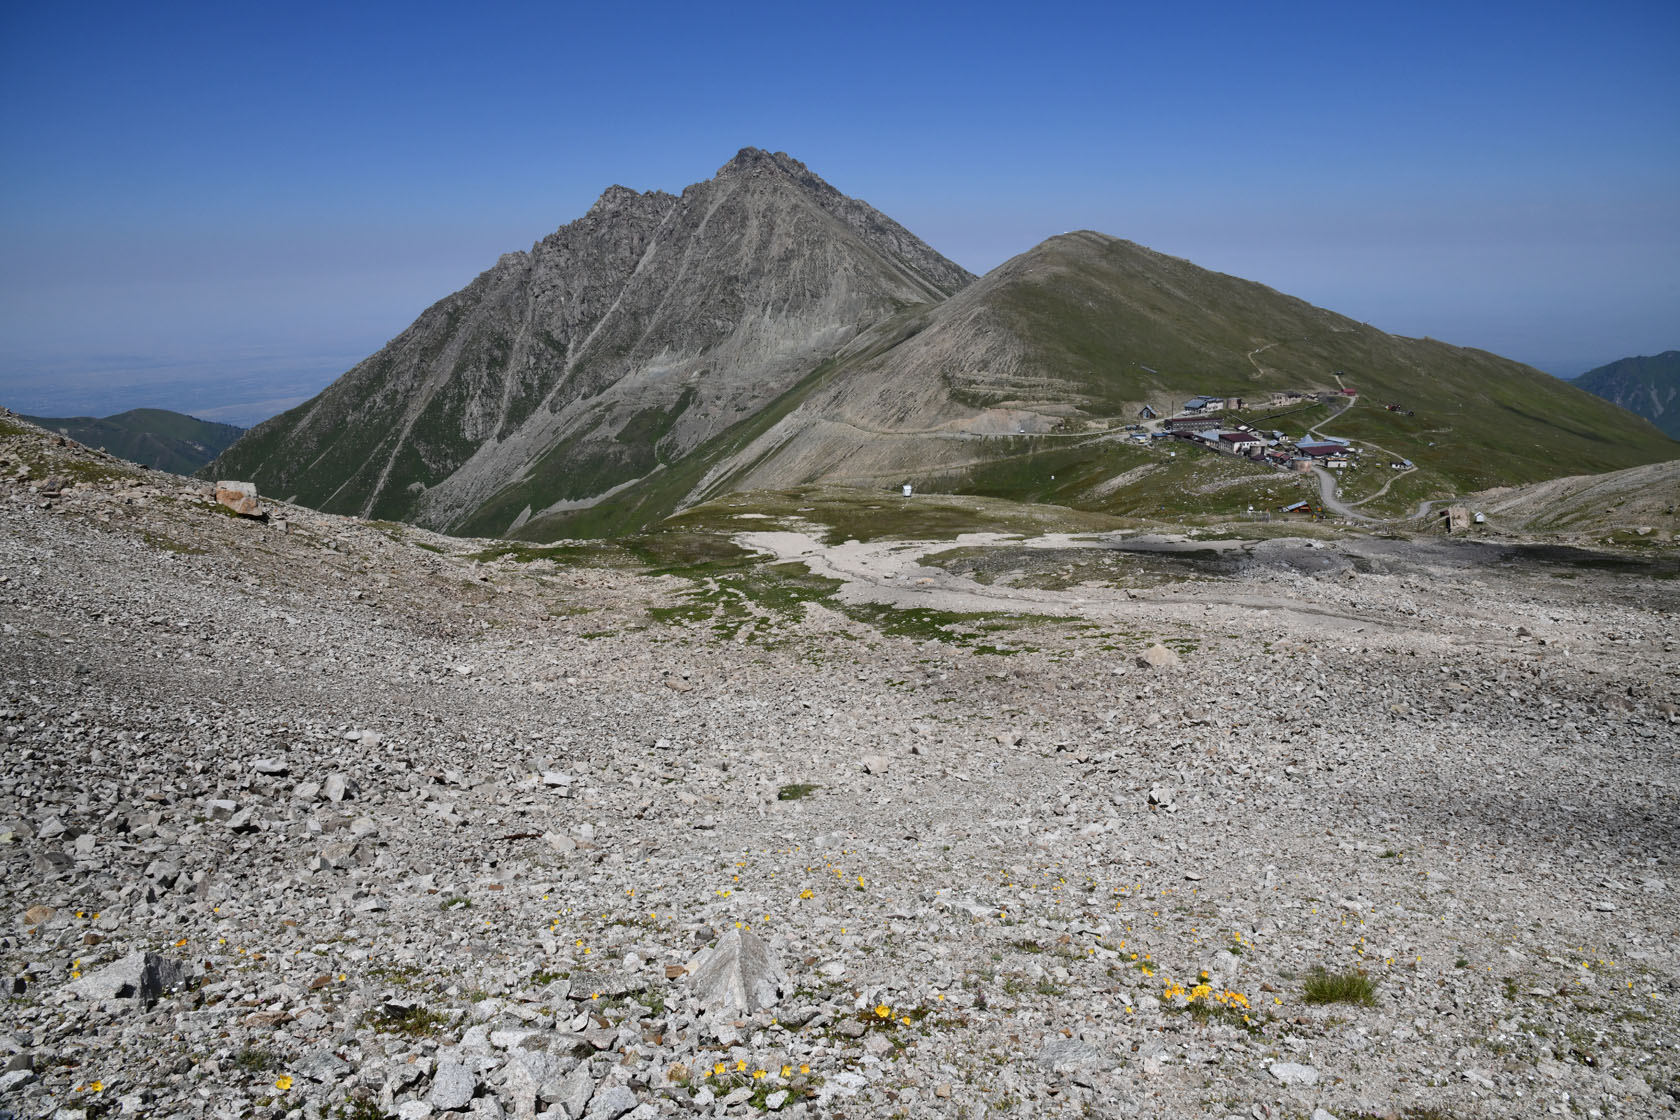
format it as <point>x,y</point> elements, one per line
<point>618,343</point>
<point>1641,501</point>
<point>424,830</point>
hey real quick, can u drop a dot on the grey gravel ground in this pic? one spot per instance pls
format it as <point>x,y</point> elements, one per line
<point>409,834</point>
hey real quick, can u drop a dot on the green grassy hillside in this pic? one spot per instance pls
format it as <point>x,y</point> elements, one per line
<point>152,437</point>
<point>1123,325</point>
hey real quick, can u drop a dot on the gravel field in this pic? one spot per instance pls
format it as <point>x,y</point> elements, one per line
<point>316,817</point>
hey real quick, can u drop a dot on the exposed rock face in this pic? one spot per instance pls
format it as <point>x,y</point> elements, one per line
<point>614,346</point>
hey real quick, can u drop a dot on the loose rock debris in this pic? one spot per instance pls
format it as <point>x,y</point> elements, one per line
<point>270,851</point>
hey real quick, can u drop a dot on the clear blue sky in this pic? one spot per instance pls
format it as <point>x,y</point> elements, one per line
<point>220,208</point>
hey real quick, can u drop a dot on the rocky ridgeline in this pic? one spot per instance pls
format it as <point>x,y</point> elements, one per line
<point>318,817</point>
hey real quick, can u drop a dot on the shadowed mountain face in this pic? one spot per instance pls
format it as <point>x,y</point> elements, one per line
<point>152,437</point>
<point>1648,387</point>
<point>618,344</point>
<point>764,331</point>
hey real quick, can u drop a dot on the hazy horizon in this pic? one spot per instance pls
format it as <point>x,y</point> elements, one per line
<point>226,210</point>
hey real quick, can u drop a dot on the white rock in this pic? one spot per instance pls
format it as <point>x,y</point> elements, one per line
<point>738,974</point>
<point>1294,1074</point>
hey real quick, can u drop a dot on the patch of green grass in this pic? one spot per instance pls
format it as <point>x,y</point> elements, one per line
<point>455,902</point>
<point>795,791</point>
<point>355,1108</point>
<point>1204,1012</point>
<point>170,544</point>
<point>413,1022</point>
<point>253,1060</point>
<point>1339,987</point>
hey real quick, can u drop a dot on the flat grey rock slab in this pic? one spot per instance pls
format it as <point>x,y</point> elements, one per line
<point>140,975</point>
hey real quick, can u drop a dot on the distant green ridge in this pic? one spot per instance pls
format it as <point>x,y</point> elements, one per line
<point>1647,386</point>
<point>152,437</point>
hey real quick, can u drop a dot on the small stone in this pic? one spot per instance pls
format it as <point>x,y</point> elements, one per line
<point>321,1065</point>
<point>339,786</point>
<point>1294,1074</point>
<point>452,1086</point>
<point>612,1103</point>
<point>875,764</point>
<point>1158,656</point>
<point>575,1091</point>
<point>1072,1055</point>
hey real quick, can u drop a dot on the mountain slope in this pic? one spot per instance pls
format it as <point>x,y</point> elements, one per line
<point>1648,387</point>
<point>1640,503</point>
<point>152,437</point>
<point>617,345</point>
<point>996,391</point>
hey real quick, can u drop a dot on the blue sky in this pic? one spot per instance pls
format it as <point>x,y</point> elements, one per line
<point>220,208</point>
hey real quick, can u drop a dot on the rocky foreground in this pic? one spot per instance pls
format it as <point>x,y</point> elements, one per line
<point>316,817</point>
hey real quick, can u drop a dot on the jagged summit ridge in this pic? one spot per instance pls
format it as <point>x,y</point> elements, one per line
<point>617,344</point>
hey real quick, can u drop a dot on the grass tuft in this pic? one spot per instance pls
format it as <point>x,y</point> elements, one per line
<point>1340,987</point>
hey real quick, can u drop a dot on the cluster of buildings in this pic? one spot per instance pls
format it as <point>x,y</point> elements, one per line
<point>1200,423</point>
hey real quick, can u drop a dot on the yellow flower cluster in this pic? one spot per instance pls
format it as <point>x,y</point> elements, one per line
<point>1204,992</point>
<point>721,1069</point>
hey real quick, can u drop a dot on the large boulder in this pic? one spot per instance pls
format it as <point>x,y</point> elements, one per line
<point>240,497</point>
<point>739,973</point>
<point>140,975</point>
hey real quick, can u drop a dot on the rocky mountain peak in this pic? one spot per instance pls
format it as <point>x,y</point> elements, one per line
<point>757,161</point>
<point>616,199</point>
<point>622,342</point>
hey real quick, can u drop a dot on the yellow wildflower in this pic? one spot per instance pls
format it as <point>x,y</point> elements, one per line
<point>283,1082</point>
